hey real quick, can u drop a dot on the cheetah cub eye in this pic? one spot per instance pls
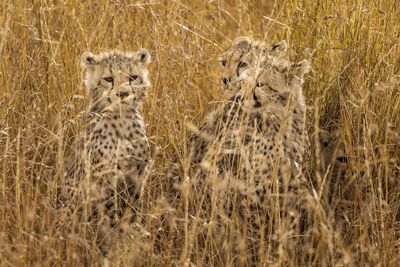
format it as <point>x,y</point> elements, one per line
<point>109,79</point>
<point>223,62</point>
<point>243,64</point>
<point>241,67</point>
<point>134,79</point>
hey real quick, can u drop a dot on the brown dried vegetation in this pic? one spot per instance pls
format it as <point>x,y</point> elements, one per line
<point>354,122</point>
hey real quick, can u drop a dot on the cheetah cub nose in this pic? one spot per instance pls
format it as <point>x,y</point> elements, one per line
<point>122,94</point>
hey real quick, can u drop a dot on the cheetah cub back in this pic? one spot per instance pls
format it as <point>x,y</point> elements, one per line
<point>107,167</point>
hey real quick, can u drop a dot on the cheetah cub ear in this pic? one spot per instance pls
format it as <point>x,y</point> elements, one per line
<point>297,72</point>
<point>242,43</point>
<point>143,57</point>
<point>88,59</point>
<point>279,48</point>
<point>300,69</point>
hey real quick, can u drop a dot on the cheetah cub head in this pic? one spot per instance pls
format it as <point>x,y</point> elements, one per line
<point>244,54</point>
<point>277,80</point>
<point>116,80</point>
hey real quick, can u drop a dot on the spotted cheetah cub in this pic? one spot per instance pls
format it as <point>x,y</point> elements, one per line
<point>107,167</point>
<point>258,79</point>
<point>248,155</point>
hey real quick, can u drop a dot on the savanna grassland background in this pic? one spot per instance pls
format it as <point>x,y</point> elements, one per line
<point>352,93</point>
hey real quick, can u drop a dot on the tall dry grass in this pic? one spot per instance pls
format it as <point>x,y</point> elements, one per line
<point>353,95</point>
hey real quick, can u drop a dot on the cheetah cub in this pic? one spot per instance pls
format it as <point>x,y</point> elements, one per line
<point>260,84</point>
<point>107,167</point>
<point>247,157</point>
